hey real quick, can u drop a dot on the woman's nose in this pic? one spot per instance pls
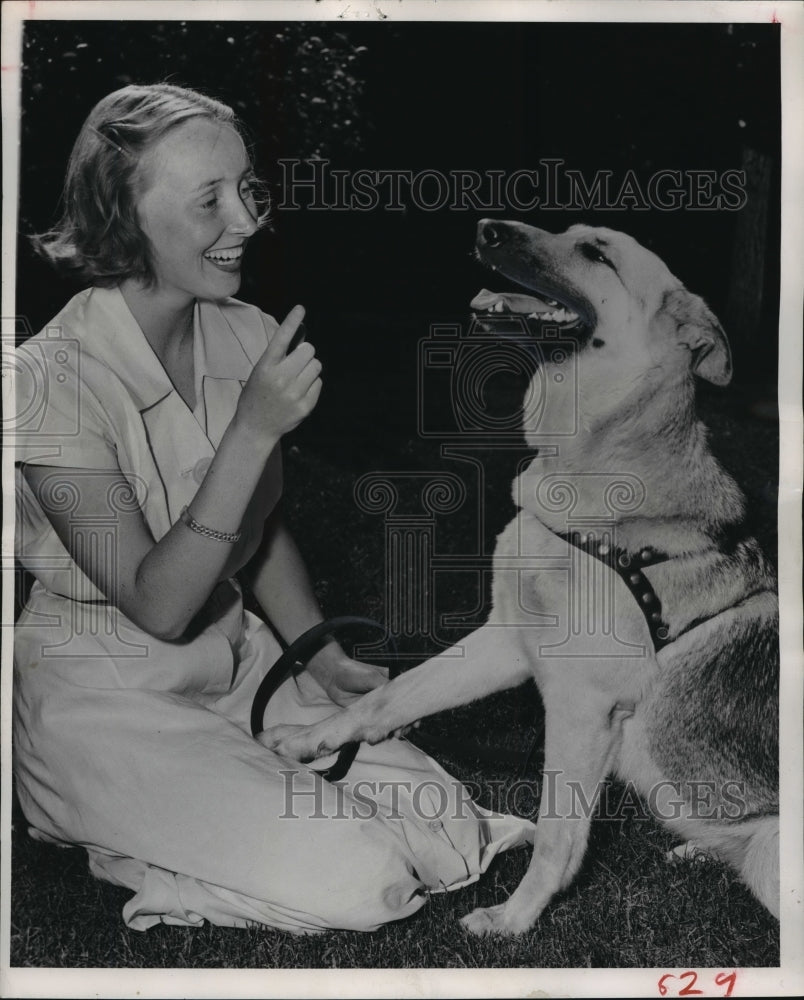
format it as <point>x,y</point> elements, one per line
<point>242,221</point>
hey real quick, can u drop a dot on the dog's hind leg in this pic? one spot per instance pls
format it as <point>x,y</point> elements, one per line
<point>580,743</point>
<point>752,848</point>
<point>760,867</point>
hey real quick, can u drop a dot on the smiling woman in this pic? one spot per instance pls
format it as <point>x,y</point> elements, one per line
<point>99,237</point>
<point>151,480</point>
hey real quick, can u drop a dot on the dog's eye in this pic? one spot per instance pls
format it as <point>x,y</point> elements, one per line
<point>593,252</point>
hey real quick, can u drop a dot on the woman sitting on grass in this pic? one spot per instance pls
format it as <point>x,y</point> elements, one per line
<point>153,479</point>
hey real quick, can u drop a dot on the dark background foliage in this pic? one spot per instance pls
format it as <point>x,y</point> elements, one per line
<point>445,96</point>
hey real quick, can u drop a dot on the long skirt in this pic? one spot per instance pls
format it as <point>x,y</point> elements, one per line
<point>140,751</point>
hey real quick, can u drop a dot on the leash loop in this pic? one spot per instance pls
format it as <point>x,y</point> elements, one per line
<point>297,654</point>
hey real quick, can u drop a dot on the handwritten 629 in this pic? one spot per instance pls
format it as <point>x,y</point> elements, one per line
<point>684,984</point>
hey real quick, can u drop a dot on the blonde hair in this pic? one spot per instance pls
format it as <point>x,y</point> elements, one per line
<point>98,238</point>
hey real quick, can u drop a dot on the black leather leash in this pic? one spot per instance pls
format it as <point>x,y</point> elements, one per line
<point>297,654</point>
<point>299,651</point>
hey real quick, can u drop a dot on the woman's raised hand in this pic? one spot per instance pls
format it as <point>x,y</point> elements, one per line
<point>283,387</point>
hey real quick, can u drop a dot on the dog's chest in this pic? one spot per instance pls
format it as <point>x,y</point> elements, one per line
<point>575,604</point>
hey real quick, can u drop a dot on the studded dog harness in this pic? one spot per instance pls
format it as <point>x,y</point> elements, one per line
<point>628,566</point>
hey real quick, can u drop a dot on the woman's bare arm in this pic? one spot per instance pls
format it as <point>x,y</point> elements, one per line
<point>162,585</point>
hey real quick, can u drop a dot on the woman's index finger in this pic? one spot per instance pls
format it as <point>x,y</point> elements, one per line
<point>284,334</point>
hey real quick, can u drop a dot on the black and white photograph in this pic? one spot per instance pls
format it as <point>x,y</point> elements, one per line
<point>402,577</point>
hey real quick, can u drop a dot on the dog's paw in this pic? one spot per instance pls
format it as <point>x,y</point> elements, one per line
<point>492,920</point>
<point>292,742</point>
<point>689,851</point>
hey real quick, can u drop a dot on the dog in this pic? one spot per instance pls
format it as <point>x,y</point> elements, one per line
<point>626,586</point>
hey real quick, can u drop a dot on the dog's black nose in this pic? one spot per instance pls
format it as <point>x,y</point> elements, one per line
<point>490,233</point>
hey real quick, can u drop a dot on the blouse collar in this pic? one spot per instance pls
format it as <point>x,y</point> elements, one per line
<point>113,335</point>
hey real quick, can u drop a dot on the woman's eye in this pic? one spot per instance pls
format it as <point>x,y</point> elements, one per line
<point>210,204</point>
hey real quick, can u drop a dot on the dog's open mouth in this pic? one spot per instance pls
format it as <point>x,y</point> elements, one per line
<point>531,307</point>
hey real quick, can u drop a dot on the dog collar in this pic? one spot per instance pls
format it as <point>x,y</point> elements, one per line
<point>628,566</point>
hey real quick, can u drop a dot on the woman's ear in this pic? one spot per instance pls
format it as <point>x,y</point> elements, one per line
<point>698,328</point>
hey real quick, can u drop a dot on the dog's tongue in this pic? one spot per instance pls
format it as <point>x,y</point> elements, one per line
<point>486,301</point>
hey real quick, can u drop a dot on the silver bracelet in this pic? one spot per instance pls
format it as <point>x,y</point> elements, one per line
<point>220,536</point>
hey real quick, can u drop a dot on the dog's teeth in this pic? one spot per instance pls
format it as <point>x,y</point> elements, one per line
<point>561,315</point>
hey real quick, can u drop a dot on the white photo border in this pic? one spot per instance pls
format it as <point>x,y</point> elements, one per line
<point>786,981</point>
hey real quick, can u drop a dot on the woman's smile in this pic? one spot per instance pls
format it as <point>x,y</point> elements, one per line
<point>226,258</point>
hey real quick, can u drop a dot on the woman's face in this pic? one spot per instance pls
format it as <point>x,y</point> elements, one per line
<point>197,210</point>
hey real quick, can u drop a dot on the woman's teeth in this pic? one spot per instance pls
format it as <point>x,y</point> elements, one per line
<point>224,256</point>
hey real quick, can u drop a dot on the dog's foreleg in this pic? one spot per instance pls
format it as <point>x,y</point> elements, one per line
<point>488,660</point>
<point>580,743</point>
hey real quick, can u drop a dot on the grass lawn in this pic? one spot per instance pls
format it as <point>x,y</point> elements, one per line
<point>627,908</point>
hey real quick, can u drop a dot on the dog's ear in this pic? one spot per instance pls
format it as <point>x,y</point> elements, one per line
<point>698,328</point>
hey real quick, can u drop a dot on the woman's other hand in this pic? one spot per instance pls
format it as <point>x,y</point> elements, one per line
<point>342,678</point>
<point>346,680</point>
